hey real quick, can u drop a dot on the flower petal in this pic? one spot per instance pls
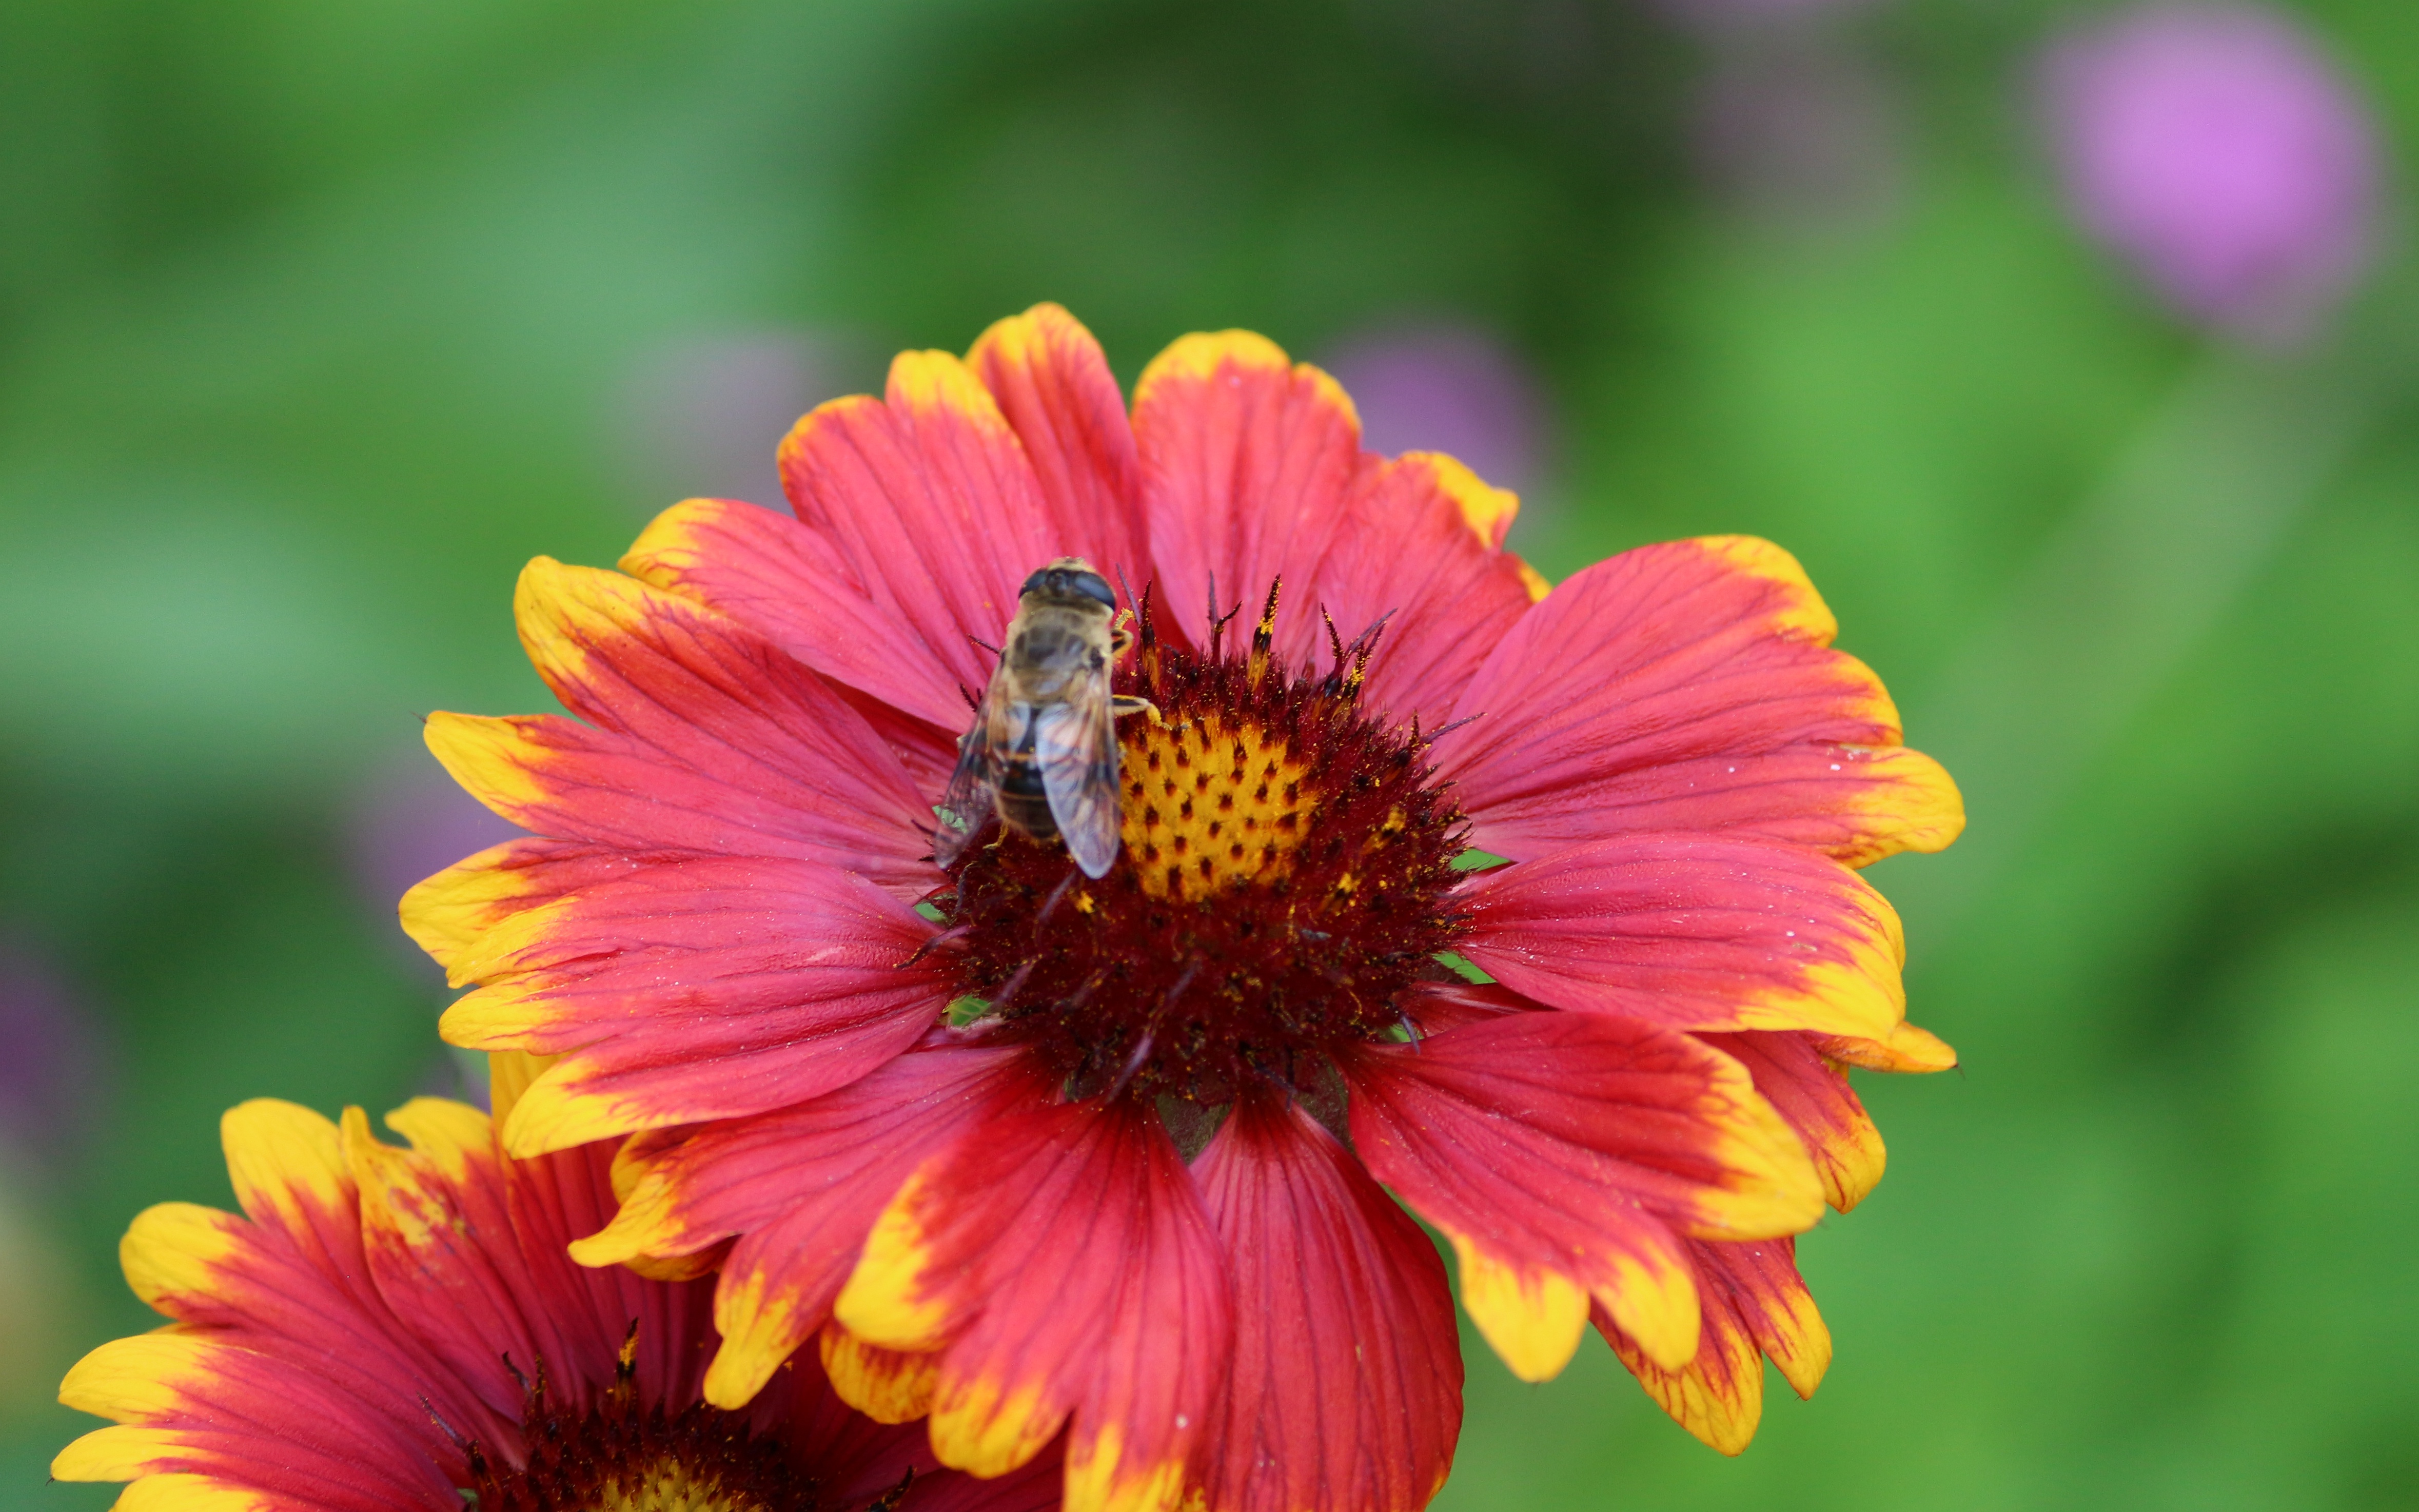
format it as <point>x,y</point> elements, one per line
<point>1345,1391</point>
<point>1063,1265</point>
<point>1690,687</point>
<point>1693,933</point>
<point>931,519</point>
<point>1812,1091</point>
<point>804,1185</point>
<point>695,989</point>
<point>1248,462</point>
<point>1054,387</point>
<point>1755,1304</point>
<point>231,1427</point>
<point>1422,542</point>
<point>1906,1048</point>
<point>1036,1488</point>
<point>701,736</point>
<point>887,1385</point>
<point>1566,1155</point>
<point>447,1264</point>
<point>786,578</point>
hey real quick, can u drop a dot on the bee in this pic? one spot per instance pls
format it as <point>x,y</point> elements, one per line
<point>1043,750</point>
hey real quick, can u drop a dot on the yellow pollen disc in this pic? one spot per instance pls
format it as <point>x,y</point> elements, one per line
<point>1210,804</point>
<point>672,1485</point>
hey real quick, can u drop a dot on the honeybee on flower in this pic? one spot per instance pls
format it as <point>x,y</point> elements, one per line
<point>1043,749</point>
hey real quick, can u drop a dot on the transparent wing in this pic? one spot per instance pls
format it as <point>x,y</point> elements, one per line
<point>1076,743</point>
<point>966,806</point>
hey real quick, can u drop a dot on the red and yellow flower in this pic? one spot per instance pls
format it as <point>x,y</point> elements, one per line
<point>386,1329</point>
<point>1027,1154</point>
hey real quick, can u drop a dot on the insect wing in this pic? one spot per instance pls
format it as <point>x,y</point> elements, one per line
<point>1076,743</point>
<point>967,804</point>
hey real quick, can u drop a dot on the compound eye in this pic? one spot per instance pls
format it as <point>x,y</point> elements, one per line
<point>1037,583</point>
<point>1092,586</point>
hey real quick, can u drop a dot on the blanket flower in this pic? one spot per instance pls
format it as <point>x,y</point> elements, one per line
<point>1537,907</point>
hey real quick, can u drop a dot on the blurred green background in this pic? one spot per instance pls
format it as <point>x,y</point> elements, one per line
<point>317,320</point>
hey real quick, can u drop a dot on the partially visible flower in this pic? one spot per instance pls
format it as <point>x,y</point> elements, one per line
<point>1450,387</point>
<point>2217,149</point>
<point>50,1076</point>
<point>1105,1157</point>
<point>1797,128</point>
<point>1758,15</point>
<point>391,1329</point>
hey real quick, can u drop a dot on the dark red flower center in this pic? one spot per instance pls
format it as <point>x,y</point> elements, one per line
<point>621,1455</point>
<point>1286,873</point>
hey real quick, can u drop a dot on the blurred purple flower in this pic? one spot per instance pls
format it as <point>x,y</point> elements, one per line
<point>702,417</point>
<point>1446,387</point>
<point>50,1076</point>
<point>2215,148</point>
<point>409,822</point>
<point>1795,127</point>
<point>1726,14</point>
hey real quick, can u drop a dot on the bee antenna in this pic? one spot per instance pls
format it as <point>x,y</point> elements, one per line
<point>980,642</point>
<point>1410,1034</point>
<point>1124,587</point>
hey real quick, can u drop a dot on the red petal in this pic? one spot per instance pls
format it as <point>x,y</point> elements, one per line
<point>803,1186</point>
<point>1755,1305</point>
<point>1056,390</point>
<point>1421,542</point>
<point>1690,687</point>
<point>788,580</point>
<point>855,1460</point>
<point>1812,1092</point>
<point>931,508</point>
<point>701,736</point>
<point>279,1427</point>
<point>1063,1263</point>
<point>1565,1155</point>
<point>696,988</point>
<point>1036,1488</point>
<point>1693,933</point>
<point>1247,464</point>
<point>1345,1391</point>
<point>290,1294</point>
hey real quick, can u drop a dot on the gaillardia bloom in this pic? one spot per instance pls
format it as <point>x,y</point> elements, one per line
<point>390,1329</point>
<point>1029,1153</point>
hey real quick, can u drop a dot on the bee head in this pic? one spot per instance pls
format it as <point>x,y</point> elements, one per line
<point>1070,579</point>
